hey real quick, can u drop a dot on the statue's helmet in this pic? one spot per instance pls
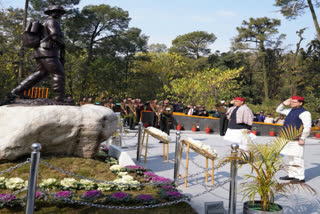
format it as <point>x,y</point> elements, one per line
<point>52,8</point>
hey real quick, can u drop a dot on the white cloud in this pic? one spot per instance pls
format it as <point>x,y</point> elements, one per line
<point>226,13</point>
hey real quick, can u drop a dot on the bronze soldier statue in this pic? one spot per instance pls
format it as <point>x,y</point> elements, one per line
<point>49,56</point>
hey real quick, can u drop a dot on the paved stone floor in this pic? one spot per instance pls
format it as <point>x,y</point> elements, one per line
<point>298,202</point>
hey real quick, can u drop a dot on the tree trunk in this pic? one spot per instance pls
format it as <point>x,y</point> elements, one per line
<point>264,70</point>
<point>314,17</point>
<point>21,52</point>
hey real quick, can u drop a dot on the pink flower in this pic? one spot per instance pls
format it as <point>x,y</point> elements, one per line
<point>161,179</point>
<point>119,195</point>
<point>91,194</point>
<point>173,193</point>
<point>63,194</point>
<point>145,197</point>
<point>7,197</point>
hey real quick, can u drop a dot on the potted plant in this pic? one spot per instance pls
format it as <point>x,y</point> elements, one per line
<point>208,129</point>
<point>265,162</point>
<point>272,132</point>
<point>194,128</point>
<point>179,127</point>
<point>317,134</point>
<point>254,130</point>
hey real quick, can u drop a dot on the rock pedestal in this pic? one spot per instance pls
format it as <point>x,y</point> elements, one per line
<point>62,130</point>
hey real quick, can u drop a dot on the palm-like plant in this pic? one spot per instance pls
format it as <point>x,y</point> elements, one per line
<point>265,161</point>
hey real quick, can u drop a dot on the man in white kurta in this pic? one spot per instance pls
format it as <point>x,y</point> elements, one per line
<point>240,124</point>
<point>297,116</point>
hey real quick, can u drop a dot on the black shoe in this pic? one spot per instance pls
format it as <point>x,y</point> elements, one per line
<point>160,142</point>
<point>287,178</point>
<point>296,181</point>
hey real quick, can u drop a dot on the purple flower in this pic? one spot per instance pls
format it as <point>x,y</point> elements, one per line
<point>145,197</point>
<point>161,179</point>
<point>63,194</point>
<point>135,167</point>
<point>39,195</point>
<point>167,188</point>
<point>119,195</point>
<point>149,175</point>
<point>173,193</point>
<point>7,197</point>
<point>91,194</point>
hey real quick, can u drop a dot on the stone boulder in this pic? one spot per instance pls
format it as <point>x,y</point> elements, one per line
<point>61,130</point>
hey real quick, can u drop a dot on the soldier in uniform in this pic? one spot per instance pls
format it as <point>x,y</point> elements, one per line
<point>133,114</point>
<point>103,101</point>
<point>156,110</point>
<point>166,116</point>
<point>110,104</point>
<point>223,123</point>
<point>49,56</point>
<point>124,111</point>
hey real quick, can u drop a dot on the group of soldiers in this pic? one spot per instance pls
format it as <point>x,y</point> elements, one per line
<point>104,102</point>
<point>131,112</point>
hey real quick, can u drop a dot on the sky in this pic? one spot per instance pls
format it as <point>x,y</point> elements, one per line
<point>163,20</point>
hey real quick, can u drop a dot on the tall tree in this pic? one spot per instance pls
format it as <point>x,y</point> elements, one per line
<point>193,44</point>
<point>158,48</point>
<point>259,31</point>
<point>293,8</point>
<point>89,28</point>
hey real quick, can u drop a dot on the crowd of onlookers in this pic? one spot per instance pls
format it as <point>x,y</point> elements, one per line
<point>192,110</point>
<point>260,117</point>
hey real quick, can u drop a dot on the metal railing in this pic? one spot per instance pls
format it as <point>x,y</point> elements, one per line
<point>35,161</point>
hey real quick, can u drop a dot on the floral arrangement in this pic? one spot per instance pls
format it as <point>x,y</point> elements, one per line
<point>157,132</point>
<point>15,183</point>
<point>139,170</point>
<point>60,196</point>
<point>67,188</point>
<point>91,195</point>
<point>151,177</point>
<point>69,183</point>
<point>105,149</point>
<point>116,168</point>
<point>203,146</point>
<point>50,183</point>
<point>119,197</point>
<point>9,200</point>
<point>87,185</point>
<point>145,199</point>
<point>111,160</point>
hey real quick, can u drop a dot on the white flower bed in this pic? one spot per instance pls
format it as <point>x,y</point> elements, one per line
<point>15,183</point>
<point>116,168</point>
<point>69,183</point>
<point>203,146</point>
<point>157,132</point>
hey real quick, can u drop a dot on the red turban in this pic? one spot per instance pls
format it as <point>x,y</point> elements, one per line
<point>297,98</point>
<point>240,98</point>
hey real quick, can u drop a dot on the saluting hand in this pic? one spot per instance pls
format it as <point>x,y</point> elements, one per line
<point>286,102</point>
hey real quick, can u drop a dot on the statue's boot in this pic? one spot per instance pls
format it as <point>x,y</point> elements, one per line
<point>58,87</point>
<point>28,83</point>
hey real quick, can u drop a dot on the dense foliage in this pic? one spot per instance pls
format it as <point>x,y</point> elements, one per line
<point>106,57</point>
